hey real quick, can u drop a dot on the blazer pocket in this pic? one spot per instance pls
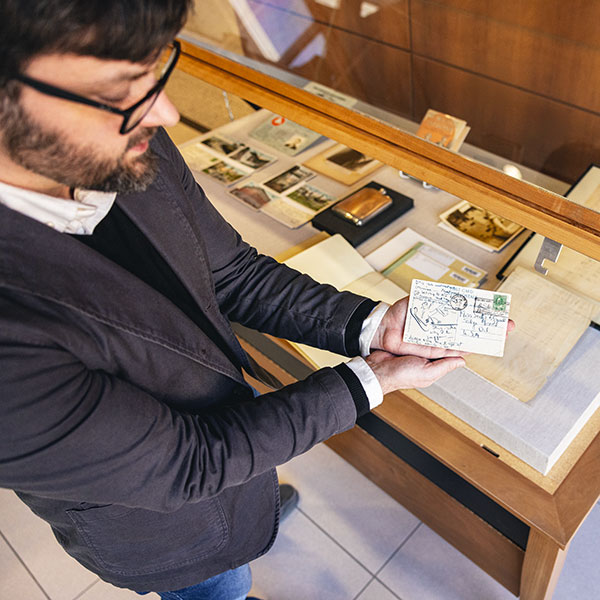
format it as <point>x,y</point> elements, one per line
<point>136,541</point>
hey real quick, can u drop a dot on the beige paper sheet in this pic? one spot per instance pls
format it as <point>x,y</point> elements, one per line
<point>549,321</point>
<point>572,270</point>
<point>333,260</point>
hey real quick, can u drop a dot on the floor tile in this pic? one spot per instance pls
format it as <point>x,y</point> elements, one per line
<point>428,568</point>
<point>104,591</point>
<point>305,563</point>
<point>376,591</point>
<point>361,517</point>
<point>580,577</point>
<point>15,581</point>
<point>60,576</point>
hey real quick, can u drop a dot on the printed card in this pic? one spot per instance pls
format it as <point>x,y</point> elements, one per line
<point>457,318</point>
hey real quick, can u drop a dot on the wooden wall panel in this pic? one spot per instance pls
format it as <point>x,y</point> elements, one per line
<point>523,57</point>
<point>366,69</point>
<point>575,20</point>
<point>533,66</point>
<point>381,20</point>
<point>388,24</point>
<point>543,134</point>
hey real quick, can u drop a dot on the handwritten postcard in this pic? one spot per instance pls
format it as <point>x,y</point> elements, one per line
<point>458,318</point>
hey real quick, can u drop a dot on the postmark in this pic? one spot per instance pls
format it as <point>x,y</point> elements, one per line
<point>482,305</point>
<point>458,302</point>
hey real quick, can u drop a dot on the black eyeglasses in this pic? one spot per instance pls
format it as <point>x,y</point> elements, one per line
<point>133,115</point>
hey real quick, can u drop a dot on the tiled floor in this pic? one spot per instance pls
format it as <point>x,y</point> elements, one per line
<point>347,540</point>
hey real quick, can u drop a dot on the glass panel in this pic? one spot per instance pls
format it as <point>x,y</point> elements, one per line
<point>412,244</point>
<point>519,74</point>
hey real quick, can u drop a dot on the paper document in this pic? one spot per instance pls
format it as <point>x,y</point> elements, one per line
<point>458,318</point>
<point>549,320</point>
<point>410,255</point>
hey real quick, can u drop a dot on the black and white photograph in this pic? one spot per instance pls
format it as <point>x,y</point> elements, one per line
<point>289,178</point>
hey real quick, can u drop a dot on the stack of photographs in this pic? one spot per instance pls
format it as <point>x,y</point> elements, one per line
<point>287,197</point>
<point>225,160</point>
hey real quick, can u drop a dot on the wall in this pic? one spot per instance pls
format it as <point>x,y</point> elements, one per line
<point>525,74</point>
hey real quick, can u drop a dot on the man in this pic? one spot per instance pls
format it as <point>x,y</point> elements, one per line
<point>125,419</point>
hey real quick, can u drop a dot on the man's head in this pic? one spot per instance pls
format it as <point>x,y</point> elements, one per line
<point>104,51</point>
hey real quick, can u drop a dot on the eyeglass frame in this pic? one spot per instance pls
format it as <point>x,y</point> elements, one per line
<point>51,90</point>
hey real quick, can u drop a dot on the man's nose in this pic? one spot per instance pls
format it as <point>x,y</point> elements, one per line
<point>162,114</point>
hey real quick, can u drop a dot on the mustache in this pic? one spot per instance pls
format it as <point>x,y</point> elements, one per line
<point>144,135</point>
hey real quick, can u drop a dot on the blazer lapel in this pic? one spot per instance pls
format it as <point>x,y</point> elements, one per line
<point>161,219</point>
<point>46,263</point>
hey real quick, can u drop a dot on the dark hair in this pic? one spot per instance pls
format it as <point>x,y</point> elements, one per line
<point>111,29</point>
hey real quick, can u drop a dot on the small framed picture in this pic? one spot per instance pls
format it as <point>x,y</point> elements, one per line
<point>343,164</point>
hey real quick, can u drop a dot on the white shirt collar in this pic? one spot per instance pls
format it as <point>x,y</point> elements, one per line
<point>79,216</point>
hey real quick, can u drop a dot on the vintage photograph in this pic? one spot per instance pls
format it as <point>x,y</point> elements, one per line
<point>287,213</point>
<point>480,226</point>
<point>284,135</point>
<point>252,158</point>
<point>197,158</point>
<point>289,178</point>
<point>253,195</point>
<point>222,145</point>
<point>295,142</point>
<point>311,197</point>
<point>343,164</point>
<point>224,172</point>
<point>350,159</point>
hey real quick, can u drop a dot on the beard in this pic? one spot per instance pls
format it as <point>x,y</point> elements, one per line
<point>47,153</point>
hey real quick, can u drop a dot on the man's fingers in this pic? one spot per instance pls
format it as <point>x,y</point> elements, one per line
<point>402,372</point>
<point>429,351</point>
<point>436,369</point>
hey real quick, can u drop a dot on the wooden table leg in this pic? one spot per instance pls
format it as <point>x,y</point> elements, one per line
<point>542,565</point>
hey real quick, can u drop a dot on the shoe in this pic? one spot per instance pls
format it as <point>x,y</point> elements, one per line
<point>288,500</point>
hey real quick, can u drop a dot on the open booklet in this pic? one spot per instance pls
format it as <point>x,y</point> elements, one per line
<point>336,262</point>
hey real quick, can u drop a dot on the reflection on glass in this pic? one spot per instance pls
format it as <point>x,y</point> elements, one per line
<point>521,75</point>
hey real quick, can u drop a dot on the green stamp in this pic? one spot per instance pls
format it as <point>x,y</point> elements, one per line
<point>499,302</point>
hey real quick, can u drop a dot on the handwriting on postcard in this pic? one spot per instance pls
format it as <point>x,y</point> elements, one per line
<point>458,318</point>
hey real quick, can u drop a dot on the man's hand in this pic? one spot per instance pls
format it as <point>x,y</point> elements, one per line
<point>404,372</point>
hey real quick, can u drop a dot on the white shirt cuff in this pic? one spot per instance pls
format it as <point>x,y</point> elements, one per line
<point>369,327</point>
<point>368,380</point>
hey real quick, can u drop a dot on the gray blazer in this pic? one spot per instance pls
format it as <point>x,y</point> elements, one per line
<point>127,428</point>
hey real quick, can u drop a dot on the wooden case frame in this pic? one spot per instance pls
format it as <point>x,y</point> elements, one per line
<point>553,511</point>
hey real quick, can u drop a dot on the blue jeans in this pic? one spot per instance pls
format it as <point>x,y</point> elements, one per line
<point>231,585</point>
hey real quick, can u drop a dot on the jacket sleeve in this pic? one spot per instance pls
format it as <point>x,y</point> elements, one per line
<point>76,431</point>
<point>257,291</point>
<point>73,433</point>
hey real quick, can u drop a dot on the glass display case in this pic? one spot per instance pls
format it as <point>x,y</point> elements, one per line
<point>364,74</point>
